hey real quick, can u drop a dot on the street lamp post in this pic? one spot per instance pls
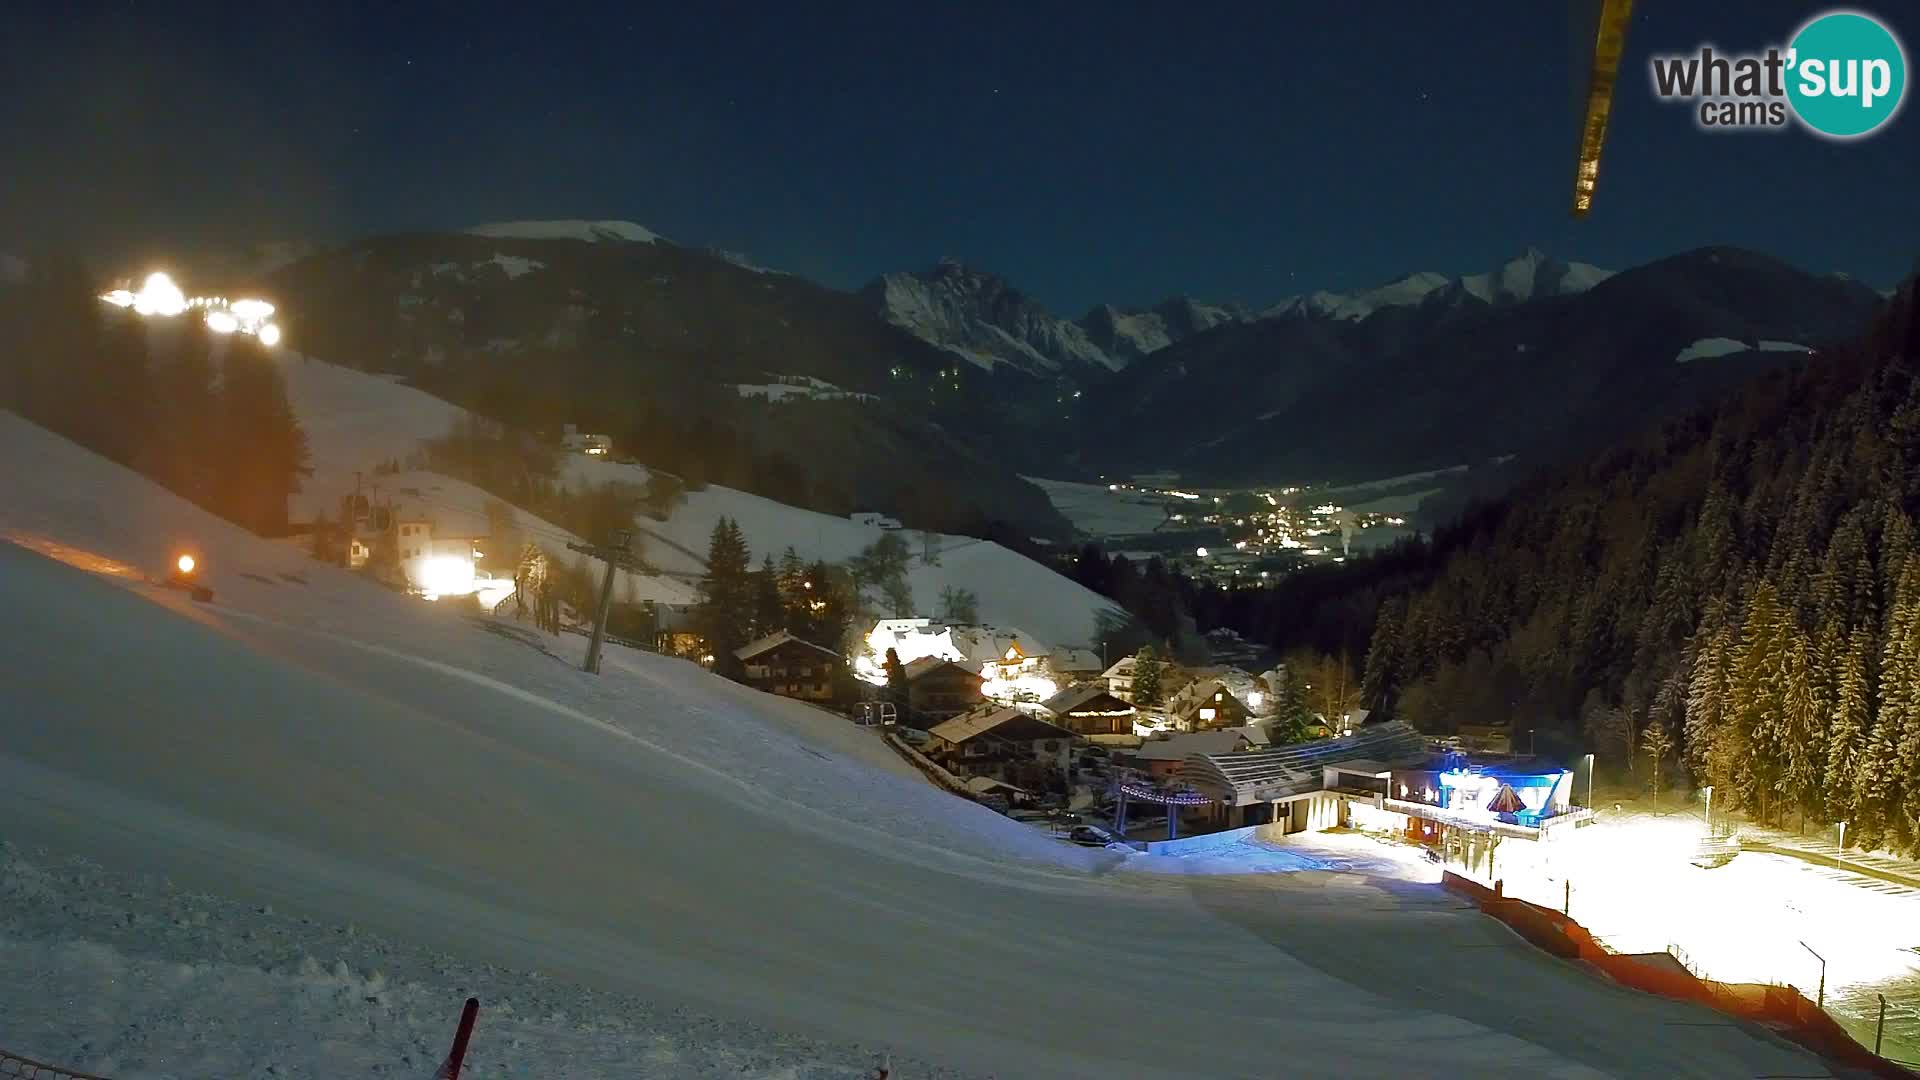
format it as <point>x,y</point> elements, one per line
<point>1709,790</point>
<point>1822,1002</point>
<point>1843,844</point>
<point>1590,763</point>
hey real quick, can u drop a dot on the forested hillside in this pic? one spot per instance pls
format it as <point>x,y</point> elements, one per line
<point>1738,592</point>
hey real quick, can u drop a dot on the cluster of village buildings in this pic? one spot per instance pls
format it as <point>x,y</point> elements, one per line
<point>1011,719</point>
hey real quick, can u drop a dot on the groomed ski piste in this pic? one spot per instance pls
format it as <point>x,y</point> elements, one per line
<point>286,833</point>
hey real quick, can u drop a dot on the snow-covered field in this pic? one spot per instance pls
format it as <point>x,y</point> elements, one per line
<point>356,420</point>
<point>1098,511</point>
<point>1760,918</point>
<point>365,808</point>
<point>1713,347</point>
<point>1013,590</point>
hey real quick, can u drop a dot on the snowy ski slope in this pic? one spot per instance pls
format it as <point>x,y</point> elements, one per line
<point>708,881</point>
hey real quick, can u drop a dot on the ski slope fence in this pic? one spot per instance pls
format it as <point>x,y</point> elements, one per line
<point>1780,1008</point>
<point>12,1065</point>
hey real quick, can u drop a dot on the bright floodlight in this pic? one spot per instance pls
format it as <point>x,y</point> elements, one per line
<point>252,310</point>
<point>160,296</point>
<point>270,334</point>
<point>221,322</point>
<point>446,575</point>
<point>185,563</point>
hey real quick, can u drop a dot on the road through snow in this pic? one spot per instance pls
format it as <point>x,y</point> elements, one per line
<point>322,747</point>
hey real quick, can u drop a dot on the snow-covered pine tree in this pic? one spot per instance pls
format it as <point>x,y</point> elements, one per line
<point>1847,730</point>
<point>1708,690</point>
<point>726,598</point>
<point>1758,703</point>
<point>1800,729</point>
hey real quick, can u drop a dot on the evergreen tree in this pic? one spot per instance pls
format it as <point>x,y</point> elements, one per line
<point>831,610</point>
<point>1292,717</point>
<point>1801,733</point>
<point>1874,793</point>
<point>1757,713</point>
<point>896,690</point>
<point>1898,713</point>
<point>1846,737</point>
<point>725,614</point>
<point>1383,654</point>
<point>769,611</point>
<point>1148,673</point>
<point>262,450</point>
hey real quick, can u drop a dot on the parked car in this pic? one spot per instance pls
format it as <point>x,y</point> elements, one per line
<point>914,736</point>
<point>1090,836</point>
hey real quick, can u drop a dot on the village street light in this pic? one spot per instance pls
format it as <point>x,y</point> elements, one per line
<point>1822,1000</point>
<point>1838,851</point>
<point>1709,790</point>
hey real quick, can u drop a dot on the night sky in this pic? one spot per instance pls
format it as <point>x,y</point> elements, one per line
<point>1090,152</point>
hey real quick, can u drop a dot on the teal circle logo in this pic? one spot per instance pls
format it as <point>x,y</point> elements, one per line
<point>1847,74</point>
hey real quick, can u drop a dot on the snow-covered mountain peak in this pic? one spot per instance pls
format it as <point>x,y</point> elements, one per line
<point>565,229</point>
<point>981,317</point>
<point>1528,275</point>
<point>1533,273</point>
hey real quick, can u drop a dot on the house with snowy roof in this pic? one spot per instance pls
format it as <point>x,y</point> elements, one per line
<point>783,664</point>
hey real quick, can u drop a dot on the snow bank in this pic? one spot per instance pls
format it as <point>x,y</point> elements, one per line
<point>753,869</point>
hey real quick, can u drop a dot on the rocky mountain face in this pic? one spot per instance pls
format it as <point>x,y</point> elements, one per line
<point>982,318</point>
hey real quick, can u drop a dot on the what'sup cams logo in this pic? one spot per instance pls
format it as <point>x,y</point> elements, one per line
<point>1842,76</point>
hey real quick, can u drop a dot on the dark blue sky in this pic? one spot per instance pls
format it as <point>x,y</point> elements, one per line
<point>1087,151</point>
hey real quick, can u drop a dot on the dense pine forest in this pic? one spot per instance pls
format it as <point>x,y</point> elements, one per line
<point>210,423</point>
<point>1736,594</point>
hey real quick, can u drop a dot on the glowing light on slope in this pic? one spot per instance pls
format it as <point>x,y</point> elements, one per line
<point>445,575</point>
<point>159,296</point>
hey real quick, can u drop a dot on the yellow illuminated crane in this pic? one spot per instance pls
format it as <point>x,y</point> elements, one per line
<point>1609,41</point>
